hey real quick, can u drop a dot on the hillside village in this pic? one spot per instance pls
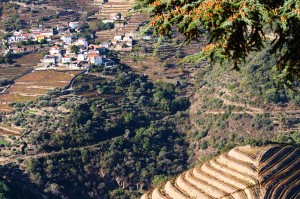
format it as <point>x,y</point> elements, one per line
<point>67,49</point>
<point>89,108</point>
<point>62,37</point>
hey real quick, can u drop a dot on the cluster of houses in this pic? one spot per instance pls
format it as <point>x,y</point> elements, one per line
<point>122,42</point>
<point>36,34</point>
<point>62,53</point>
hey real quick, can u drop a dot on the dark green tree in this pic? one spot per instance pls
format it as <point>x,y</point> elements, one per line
<point>234,28</point>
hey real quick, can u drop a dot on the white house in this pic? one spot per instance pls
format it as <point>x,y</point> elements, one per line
<point>36,31</point>
<point>118,37</point>
<point>146,37</point>
<point>55,50</point>
<point>117,16</point>
<point>131,34</point>
<point>80,57</point>
<point>68,50</point>
<point>47,32</point>
<point>11,39</point>
<point>108,21</point>
<point>105,44</point>
<point>73,24</point>
<point>82,42</point>
<point>66,38</point>
<point>23,37</point>
<point>48,59</point>
<point>92,51</point>
<point>66,60</point>
<point>95,59</point>
<point>99,48</point>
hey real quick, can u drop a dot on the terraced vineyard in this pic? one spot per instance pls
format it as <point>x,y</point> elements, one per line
<point>243,172</point>
<point>113,7</point>
<point>12,72</point>
<point>35,84</point>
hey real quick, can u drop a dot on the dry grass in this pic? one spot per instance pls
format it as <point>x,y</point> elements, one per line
<point>34,85</point>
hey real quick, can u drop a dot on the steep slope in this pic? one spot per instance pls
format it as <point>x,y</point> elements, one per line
<point>231,108</point>
<point>243,172</point>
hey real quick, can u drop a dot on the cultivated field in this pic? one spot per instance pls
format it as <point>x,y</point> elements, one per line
<point>243,172</point>
<point>34,85</point>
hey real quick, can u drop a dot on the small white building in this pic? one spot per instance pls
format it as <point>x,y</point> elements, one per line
<point>66,38</point>
<point>118,37</point>
<point>11,39</point>
<point>131,34</point>
<point>48,59</point>
<point>108,21</point>
<point>82,42</point>
<point>128,43</point>
<point>23,37</point>
<point>55,50</point>
<point>47,32</point>
<point>73,24</point>
<point>81,57</point>
<point>146,37</point>
<point>66,60</point>
<point>105,44</point>
<point>36,31</point>
<point>95,59</point>
<point>114,41</point>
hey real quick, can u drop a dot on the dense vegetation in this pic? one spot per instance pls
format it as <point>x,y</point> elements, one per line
<point>117,133</point>
<point>4,191</point>
<point>239,108</point>
<point>234,29</point>
<point>120,130</point>
<point>124,164</point>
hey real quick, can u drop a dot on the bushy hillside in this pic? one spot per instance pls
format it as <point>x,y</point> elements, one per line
<point>113,135</point>
<point>232,108</point>
<point>243,172</point>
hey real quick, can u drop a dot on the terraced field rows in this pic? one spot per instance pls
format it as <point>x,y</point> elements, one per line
<point>243,172</point>
<point>10,73</point>
<point>35,84</point>
<point>110,8</point>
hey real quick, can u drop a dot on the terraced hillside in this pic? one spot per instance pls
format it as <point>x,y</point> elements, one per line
<point>34,85</point>
<point>243,172</point>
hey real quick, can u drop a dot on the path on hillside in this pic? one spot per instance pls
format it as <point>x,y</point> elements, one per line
<point>195,108</point>
<point>10,130</point>
<point>15,158</point>
<point>5,89</point>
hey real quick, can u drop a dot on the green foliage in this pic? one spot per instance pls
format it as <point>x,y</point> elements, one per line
<point>234,29</point>
<point>159,179</point>
<point>118,168</point>
<point>75,49</point>
<point>123,194</point>
<point>114,136</point>
<point>99,25</point>
<point>4,191</point>
<point>288,138</point>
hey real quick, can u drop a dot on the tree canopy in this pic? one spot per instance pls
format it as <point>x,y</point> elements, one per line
<point>234,28</point>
